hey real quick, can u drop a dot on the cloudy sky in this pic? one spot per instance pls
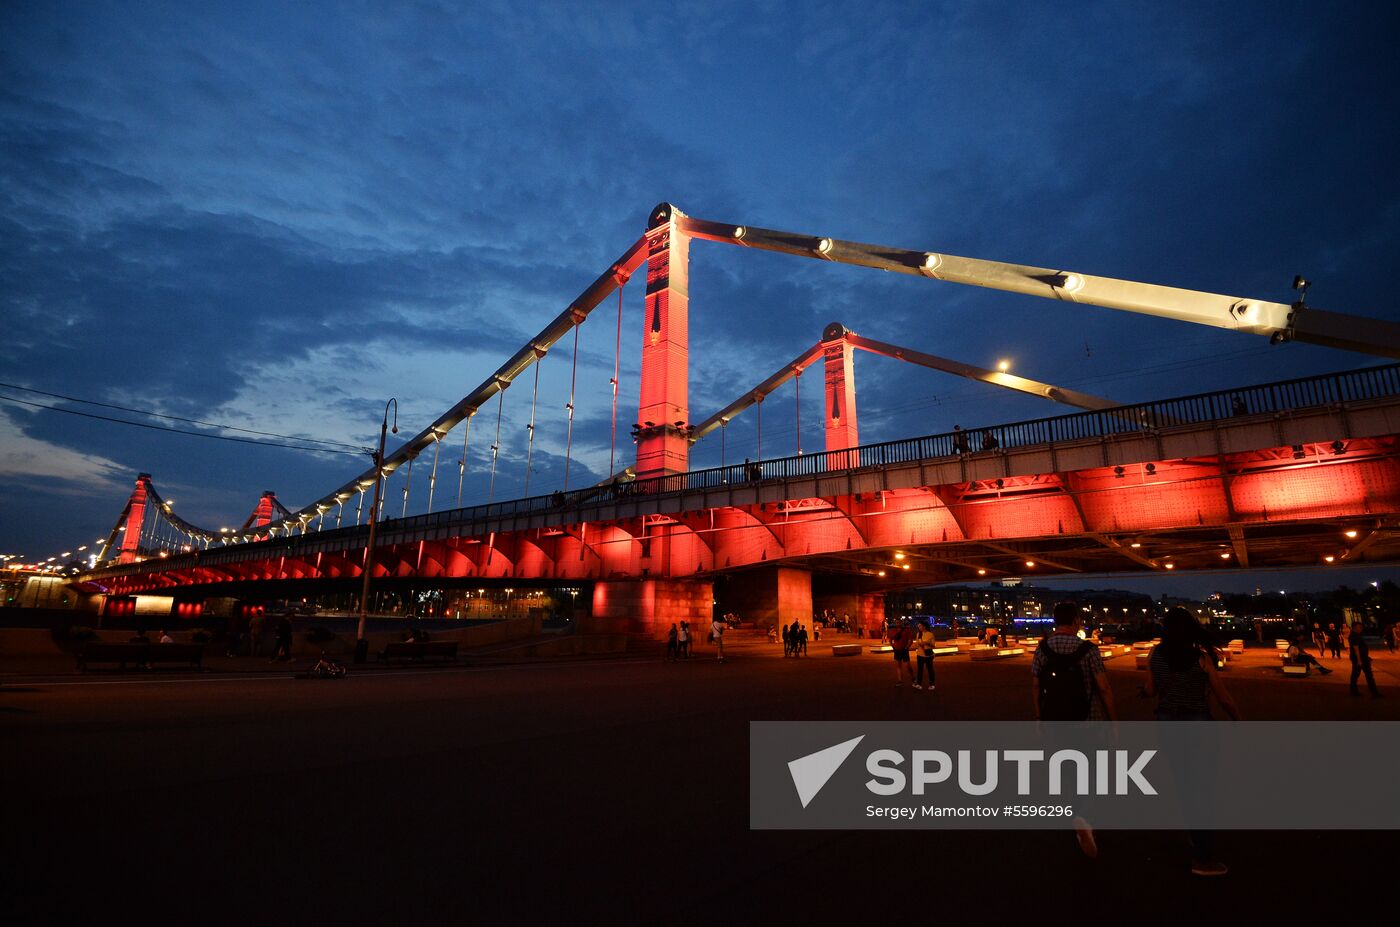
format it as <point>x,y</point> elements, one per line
<point>276,216</point>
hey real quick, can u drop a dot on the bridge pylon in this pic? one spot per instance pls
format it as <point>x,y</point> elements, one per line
<point>842,432</point>
<point>663,412</point>
<point>135,518</point>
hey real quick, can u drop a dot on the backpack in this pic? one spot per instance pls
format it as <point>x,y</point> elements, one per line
<point>1061,684</point>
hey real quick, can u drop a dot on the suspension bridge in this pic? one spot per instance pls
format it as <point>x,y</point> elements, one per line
<point>1302,472</point>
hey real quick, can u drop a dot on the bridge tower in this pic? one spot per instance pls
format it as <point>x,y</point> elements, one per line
<point>262,515</point>
<point>839,418</point>
<point>663,441</point>
<point>135,518</point>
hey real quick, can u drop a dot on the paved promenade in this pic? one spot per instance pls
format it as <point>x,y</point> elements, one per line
<point>586,789</point>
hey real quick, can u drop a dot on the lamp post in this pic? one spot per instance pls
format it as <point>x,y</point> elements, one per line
<point>374,520</point>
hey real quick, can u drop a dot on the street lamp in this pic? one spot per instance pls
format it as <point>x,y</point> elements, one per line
<point>374,520</point>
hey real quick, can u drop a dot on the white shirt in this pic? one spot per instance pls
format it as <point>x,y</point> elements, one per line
<point>718,628</point>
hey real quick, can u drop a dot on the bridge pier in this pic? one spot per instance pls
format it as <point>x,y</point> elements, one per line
<point>866,609</point>
<point>648,608</point>
<point>773,596</point>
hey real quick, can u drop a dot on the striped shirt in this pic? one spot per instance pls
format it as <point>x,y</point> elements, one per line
<point>1181,694</point>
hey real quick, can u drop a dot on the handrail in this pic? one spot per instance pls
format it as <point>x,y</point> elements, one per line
<point>1268,398</point>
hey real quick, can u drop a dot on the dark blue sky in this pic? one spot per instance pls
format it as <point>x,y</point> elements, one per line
<point>278,215</point>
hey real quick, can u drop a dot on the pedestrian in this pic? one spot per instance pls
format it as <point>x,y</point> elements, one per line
<point>802,638</point>
<point>683,640</point>
<point>1319,639</point>
<point>901,637</point>
<point>282,645</point>
<point>671,643</point>
<point>923,649</point>
<point>1069,684</point>
<point>1334,641</point>
<point>165,638</point>
<point>989,441</point>
<point>1183,678</point>
<point>787,642</point>
<point>1361,661</point>
<point>1390,637</point>
<point>717,631</point>
<point>255,632</point>
<point>235,634</point>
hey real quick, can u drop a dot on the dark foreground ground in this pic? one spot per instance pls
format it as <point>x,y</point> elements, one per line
<point>572,792</point>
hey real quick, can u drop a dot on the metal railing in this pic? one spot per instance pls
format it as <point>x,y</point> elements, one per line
<point>1267,399</point>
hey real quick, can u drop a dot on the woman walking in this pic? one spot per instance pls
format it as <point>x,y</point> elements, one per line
<point>1183,679</point>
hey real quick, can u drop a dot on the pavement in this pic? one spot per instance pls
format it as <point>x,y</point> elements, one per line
<point>588,790</point>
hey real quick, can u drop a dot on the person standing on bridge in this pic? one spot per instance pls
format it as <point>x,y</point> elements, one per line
<point>683,641</point>
<point>1334,641</point>
<point>802,638</point>
<point>672,642</point>
<point>717,629</point>
<point>959,440</point>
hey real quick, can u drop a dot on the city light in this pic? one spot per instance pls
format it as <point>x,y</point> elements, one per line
<point>1170,566</point>
<point>1004,365</point>
<point>1030,564</point>
<point>1350,532</point>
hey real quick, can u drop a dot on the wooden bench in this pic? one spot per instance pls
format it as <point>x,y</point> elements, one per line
<point>846,650</point>
<point>1235,646</point>
<point>1143,659</point>
<point>882,648</point>
<point>418,652</point>
<point>140,655</point>
<point>1295,669</point>
<point>996,653</point>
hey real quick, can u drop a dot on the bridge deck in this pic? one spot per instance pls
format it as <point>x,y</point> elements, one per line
<point>1346,418</point>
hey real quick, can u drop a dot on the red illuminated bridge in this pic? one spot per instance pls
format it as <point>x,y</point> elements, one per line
<point>1297,473</point>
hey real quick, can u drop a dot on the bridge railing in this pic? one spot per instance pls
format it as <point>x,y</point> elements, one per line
<point>1267,399</point>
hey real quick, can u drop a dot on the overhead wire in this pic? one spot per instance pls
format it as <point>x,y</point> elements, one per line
<point>176,418</point>
<point>182,431</point>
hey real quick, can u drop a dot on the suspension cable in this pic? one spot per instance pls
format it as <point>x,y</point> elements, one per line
<point>432,477</point>
<point>496,447</point>
<point>573,379</point>
<point>759,400</point>
<point>462,464</point>
<point>798,381</point>
<point>723,428</point>
<point>617,370</point>
<point>530,428</point>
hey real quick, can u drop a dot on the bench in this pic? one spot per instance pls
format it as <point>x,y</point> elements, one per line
<point>882,648</point>
<point>846,650</point>
<point>996,653</point>
<point>140,655</point>
<point>1235,646</point>
<point>1295,669</point>
<point>1143,659</point>
<point>419,651</point>
<point>1280,643</point>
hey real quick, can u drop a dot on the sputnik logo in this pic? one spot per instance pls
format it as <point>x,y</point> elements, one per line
<point>811,772</point>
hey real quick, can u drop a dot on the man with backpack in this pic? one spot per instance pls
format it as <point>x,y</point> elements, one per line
<point>1068,674</point>
<point>1070,684</point>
